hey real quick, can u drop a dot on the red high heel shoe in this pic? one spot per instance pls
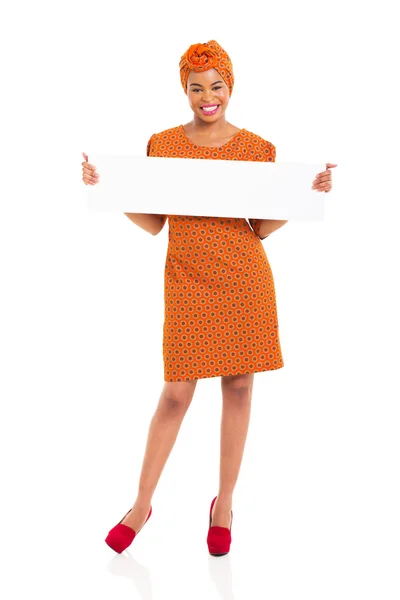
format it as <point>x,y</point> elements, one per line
<point>121,536</point>
<point>219,538</point>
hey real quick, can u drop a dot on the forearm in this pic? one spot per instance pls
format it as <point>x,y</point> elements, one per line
<point>264,227</point>
<point>151,223</point>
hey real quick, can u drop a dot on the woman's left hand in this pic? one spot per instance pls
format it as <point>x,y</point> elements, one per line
<point>323,181</point>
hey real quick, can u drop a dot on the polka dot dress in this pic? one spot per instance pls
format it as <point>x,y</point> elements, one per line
<point>219,296</point>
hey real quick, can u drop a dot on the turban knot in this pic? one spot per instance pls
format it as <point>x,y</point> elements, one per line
<point>202,57</point>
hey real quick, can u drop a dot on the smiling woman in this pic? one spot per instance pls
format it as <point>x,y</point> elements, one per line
<point>221,317</point>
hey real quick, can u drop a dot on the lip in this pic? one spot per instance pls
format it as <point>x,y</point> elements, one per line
<point>211,112</point>
<point>208,105</point>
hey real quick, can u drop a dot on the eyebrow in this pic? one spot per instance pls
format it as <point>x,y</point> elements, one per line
<point>202,86</point>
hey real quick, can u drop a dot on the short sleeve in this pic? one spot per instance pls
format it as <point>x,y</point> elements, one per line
<point>149,144</point>
<point>269,152</point>
<point>269,155</point>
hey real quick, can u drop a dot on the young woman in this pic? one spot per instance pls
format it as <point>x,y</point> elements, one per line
<point>220,307</point>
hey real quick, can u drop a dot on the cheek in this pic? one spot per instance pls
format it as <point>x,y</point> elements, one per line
<point>194,100</point>
<point>224,96</point>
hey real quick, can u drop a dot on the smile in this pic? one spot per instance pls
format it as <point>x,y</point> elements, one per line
<point>211,110</point>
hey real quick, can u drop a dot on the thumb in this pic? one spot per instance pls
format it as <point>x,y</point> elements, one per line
<point>85,156</point>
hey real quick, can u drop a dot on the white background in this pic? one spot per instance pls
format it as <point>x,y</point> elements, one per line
<point>316,506</point>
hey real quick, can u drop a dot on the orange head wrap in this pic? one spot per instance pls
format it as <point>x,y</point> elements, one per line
<point>201,57</point>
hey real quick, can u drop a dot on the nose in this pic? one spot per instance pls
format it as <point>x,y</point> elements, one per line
<point>207,96</point>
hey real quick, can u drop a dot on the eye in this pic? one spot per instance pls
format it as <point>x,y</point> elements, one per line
<point>217,87</point>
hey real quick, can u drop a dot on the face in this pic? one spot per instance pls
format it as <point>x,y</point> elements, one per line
<point>207,88</point>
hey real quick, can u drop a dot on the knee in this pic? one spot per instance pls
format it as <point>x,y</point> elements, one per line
<point>174,401</point>
<point>176,397</point>
<point>237,388</point>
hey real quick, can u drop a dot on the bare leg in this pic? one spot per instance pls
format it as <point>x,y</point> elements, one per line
<point>174,401</point>
<point>236,404</point>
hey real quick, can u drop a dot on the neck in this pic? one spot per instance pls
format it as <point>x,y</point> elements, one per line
<point>212,129</point>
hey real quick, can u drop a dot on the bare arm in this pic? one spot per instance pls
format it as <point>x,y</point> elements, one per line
<point>151,223</point>
<point>264,227</point>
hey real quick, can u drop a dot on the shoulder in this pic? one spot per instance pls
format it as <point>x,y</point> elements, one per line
<point>162,136</point>
<point>263,148</point>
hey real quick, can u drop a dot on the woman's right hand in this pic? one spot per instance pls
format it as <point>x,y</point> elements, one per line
<point>89,175</point>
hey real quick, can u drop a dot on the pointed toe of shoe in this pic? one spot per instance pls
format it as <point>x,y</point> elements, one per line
<point>120,537</point>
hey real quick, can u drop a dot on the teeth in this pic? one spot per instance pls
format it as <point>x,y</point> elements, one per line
<point>211,108</point>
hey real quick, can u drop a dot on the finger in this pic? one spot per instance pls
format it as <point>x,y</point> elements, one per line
<point>85,156</point>
<point>90,181</point>
<point>326,176</point>
<point>326,173</point>
<point>88,166</point>
<point>330,165</point>
<point>88,174</point>
<point>91,174</point>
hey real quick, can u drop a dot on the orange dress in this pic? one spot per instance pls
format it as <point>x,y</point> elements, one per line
<point>220,314</point>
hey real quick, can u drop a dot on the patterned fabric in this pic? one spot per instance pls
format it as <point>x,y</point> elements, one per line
<point>220,314</point>
<point>202,57</point>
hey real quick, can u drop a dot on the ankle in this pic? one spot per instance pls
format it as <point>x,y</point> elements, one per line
<point>224,500</point>
<point>143,501</point>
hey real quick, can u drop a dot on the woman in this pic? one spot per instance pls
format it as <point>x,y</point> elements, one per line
<point>220,307</point>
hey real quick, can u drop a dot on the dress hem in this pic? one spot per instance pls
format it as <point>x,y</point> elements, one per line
<point>223,375</point>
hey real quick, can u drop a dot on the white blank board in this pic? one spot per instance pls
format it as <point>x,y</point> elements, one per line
<point>201,187</point>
